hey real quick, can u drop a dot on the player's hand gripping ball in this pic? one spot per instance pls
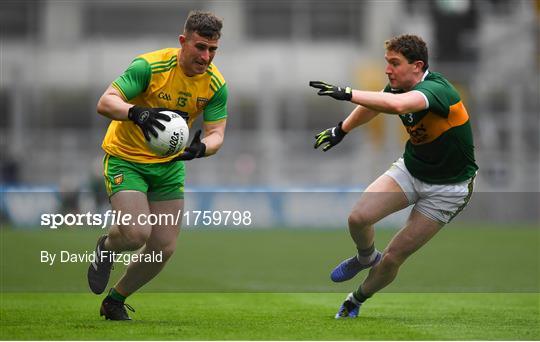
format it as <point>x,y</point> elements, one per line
<point>173,138</point>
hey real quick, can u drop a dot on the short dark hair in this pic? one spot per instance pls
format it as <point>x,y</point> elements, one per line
<point>411,47</point>
<point>206,24</point>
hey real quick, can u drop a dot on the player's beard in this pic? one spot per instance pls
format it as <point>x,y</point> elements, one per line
<point>200,68</point>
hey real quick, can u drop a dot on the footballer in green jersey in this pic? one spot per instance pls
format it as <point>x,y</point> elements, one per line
<point>435,174</point>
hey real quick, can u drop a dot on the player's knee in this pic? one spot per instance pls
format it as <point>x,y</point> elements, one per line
<point>135,239</point>
<point>165,249</point>
<point>359,219</point>
<point>392,259</point>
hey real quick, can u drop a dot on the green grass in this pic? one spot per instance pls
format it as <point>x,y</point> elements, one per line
<point>468,283</point>
<point>459,259</point>
<point>275,316</point>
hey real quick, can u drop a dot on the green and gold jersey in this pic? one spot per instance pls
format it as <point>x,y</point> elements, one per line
<point>440,149</point>
<point>156,80</point>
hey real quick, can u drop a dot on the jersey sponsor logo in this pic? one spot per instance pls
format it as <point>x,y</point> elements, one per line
<point>164,96</point>
<point>418,133</point>
<point>201,102</point>
<point>185,93</point>
<point>118,179</point>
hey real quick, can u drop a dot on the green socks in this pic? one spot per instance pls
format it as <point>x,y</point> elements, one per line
<point>359,295</point>
<point>116,295</point>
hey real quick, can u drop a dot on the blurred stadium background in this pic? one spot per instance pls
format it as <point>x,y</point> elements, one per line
<point>479,279</point>
<point>57,57</point>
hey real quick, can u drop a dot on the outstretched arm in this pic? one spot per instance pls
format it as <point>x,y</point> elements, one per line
<point>409,102</point>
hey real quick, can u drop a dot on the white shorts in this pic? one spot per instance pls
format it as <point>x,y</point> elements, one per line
<point>439,202</point>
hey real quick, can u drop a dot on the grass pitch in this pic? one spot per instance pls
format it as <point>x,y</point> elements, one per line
<point>467,284</point>
<point>458,259</point>
<point>274,316</point>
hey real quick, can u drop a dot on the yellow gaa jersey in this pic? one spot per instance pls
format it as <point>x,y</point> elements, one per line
<point>156,80</point>
<point>440,149</point>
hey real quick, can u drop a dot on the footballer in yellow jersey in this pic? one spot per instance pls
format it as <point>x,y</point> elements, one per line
<point>139,182</point>
<point>436,173</point>
<point>156,80</point>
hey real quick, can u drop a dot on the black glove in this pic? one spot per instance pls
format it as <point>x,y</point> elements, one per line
<point>196,149</point>
<point>147,119</point>
<point>332,136</point>
<point>184,115</point>
<point>336,92</point>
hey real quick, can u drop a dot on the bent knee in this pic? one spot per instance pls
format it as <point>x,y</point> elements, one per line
<point>392,259</point>
<point>359,219</point>
<point>166,250</point>
<point>135,239</point>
